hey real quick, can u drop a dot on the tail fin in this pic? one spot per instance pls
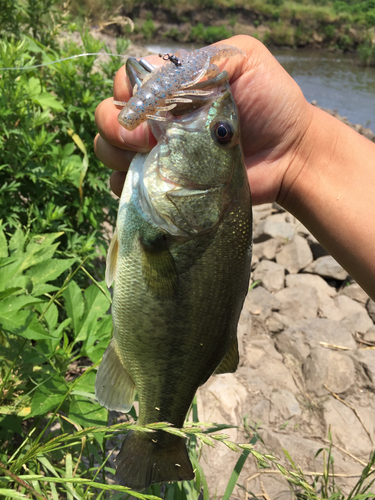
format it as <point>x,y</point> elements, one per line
<point>142,461</point>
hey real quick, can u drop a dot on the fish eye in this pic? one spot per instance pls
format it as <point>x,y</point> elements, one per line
<point>223,132</point>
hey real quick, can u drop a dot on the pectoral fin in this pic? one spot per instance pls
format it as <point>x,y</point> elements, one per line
<point>230,361</point>
<point>114,387</point>
<point>158,267</point>
<point>111,263</point>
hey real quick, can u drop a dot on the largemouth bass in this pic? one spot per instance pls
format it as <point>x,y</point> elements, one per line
<point>180,262</point>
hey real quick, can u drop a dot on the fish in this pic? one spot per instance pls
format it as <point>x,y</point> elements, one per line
<point>180,264</point>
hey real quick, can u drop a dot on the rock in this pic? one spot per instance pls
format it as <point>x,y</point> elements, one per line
<point>278,322</point>
<point>284,406</point>
<point>266,249</point>
<point>274,226</point>
<point>270,274</point>
<point>324,366</point>
<point>346,429</point>
<point>370,306</point>
<point>348,306</point>
<point>327,267</point>
<point>317,282</point>
<point>355,292</point>
<point>367,357</point>
<point>295,255</point>
<point>328,309</point>
<point>298,302</point>
<point>269,373</point>
<point>317,249</point>
<point>306,334</point>
<point>261,302</point>
<point>221,400</point>
<point>369,336</point>
<point>260,212</point>
<point>261,411</point>
<point>359,322</point>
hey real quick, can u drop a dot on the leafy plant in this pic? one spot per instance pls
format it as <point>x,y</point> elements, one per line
<point>209,34</point>
<point>50,177</point>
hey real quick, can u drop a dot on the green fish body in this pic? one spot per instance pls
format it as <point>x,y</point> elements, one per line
<point>180,262</point>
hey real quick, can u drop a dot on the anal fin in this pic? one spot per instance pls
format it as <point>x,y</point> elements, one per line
<point>230,361</point>
<point>114,387</point>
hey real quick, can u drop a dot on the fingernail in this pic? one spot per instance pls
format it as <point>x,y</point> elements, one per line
<point>138,139</point>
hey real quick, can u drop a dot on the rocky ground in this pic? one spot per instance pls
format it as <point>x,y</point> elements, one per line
<point>307,336</point>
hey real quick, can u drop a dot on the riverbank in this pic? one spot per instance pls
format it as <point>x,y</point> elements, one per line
<point>276,24</point>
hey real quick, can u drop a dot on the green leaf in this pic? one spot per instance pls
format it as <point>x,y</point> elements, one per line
<point>3,245</point>
<point>11,493</point>
<point>97,305</point>
<point>43,288</point>
<point>24,324</point>
<point>47,100</point>
<point>86,412</point>
<point>9,291</point>
<point>17,242</point>
<point>48,396</point>
<point>14,304</point>
<point>98,339</point>
<point>74,305</point>
<point>7,273</point>
<point>49,271</point>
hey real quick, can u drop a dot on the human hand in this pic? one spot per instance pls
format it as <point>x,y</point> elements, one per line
<point>274,117</point>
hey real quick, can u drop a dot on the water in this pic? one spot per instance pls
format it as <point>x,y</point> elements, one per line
<point>333,80</point>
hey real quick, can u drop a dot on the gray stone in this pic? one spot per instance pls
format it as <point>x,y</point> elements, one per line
<point>298,302</point>
<point>317,249</point>
<point>260,212</point>
<point>327,267</point>
<point>273,226</point>
<point>370,306</point>
<point>260,413</point>
<point>261,302</point>
<point>270,274</point>
<point>278,322</point>
<point>369,336</point>
<point>355,292</point>
<point>359,322</point>
<point>346,429</point>
<point>324,366</point>
<point>367,357</point>
<point>295,255</point>
<point>306,334</point>
<point>328,308</point>
<point>348,306</point>
<point>317,282</point>
<point>267,249</point>
<point>284,406</point>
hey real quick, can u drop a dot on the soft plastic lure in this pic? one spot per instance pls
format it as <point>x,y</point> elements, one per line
<point>165,87</point>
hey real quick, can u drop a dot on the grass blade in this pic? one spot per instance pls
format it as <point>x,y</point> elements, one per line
<point>235,474</point>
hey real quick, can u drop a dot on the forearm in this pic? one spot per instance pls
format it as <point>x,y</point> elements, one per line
<point>330,188</point>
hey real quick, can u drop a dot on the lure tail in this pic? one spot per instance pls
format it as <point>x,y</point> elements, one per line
<point>143,461</point>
